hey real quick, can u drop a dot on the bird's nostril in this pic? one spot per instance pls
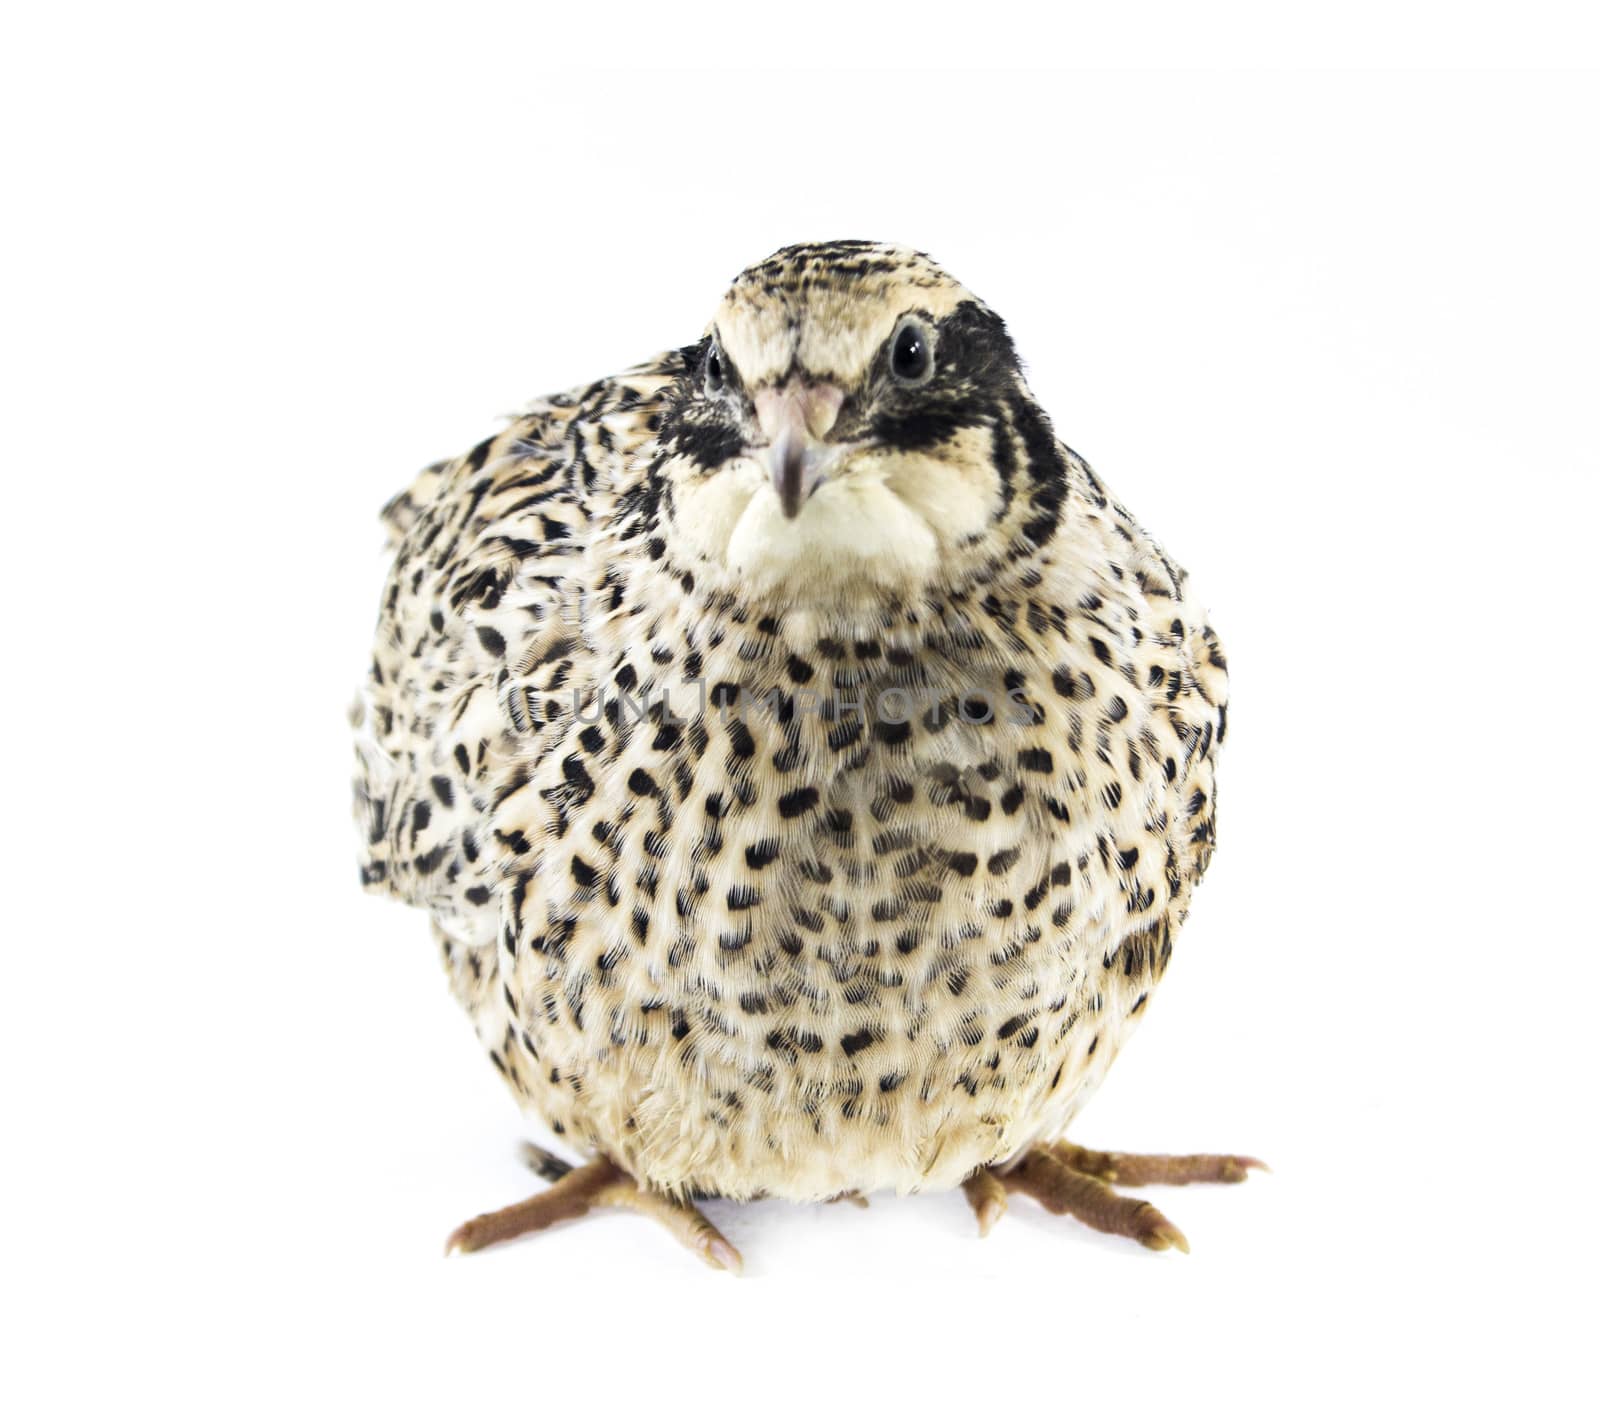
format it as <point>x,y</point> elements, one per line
<point>799,406</point>
<point>822,405</point>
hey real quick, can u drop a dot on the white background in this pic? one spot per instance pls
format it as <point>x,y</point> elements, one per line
<point>1332,335</point>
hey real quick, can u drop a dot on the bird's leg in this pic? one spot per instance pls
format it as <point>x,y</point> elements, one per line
<point>1067,1178</point>
<point>598,1184</point>
<point>987,1195</point>
<point>573,1195</point>
<point>1135,1171</point>
<point>1063,1189</point>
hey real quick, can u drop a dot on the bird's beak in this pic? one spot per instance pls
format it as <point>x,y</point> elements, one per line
<point>796,418</point>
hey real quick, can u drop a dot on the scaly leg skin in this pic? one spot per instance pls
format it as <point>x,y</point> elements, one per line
<point>987,1195</point>
<point>1135,1171</point>
<point>598,1184</point>
<point>1067,1178</point>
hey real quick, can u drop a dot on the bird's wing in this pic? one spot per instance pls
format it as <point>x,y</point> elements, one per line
<point>1173,656</point>
<point>483,586</point>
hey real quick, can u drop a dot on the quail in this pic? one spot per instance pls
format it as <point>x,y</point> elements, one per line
<point>805,762</point>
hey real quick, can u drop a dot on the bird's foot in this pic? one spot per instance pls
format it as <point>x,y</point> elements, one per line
<point>574,1190</point>
<point>1067,1178</point>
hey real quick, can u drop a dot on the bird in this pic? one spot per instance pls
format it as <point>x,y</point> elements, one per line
<point>805,761</point>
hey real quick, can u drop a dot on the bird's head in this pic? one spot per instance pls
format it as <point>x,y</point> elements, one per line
<point>842,430</point>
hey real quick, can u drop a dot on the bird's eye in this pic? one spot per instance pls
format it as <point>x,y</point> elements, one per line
<point>715,376</point>
<point>910,357</point>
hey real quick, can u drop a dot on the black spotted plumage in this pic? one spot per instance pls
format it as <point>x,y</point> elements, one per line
<point>719,910</point>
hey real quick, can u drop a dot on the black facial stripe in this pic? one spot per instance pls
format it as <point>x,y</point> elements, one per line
<point>916,428</point>
<point>704,428</point>
<point>1047,470</point>
<point>1005,464</point>
<point>975,367</point>
<point>975,343</point>
<point>708,439</point>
